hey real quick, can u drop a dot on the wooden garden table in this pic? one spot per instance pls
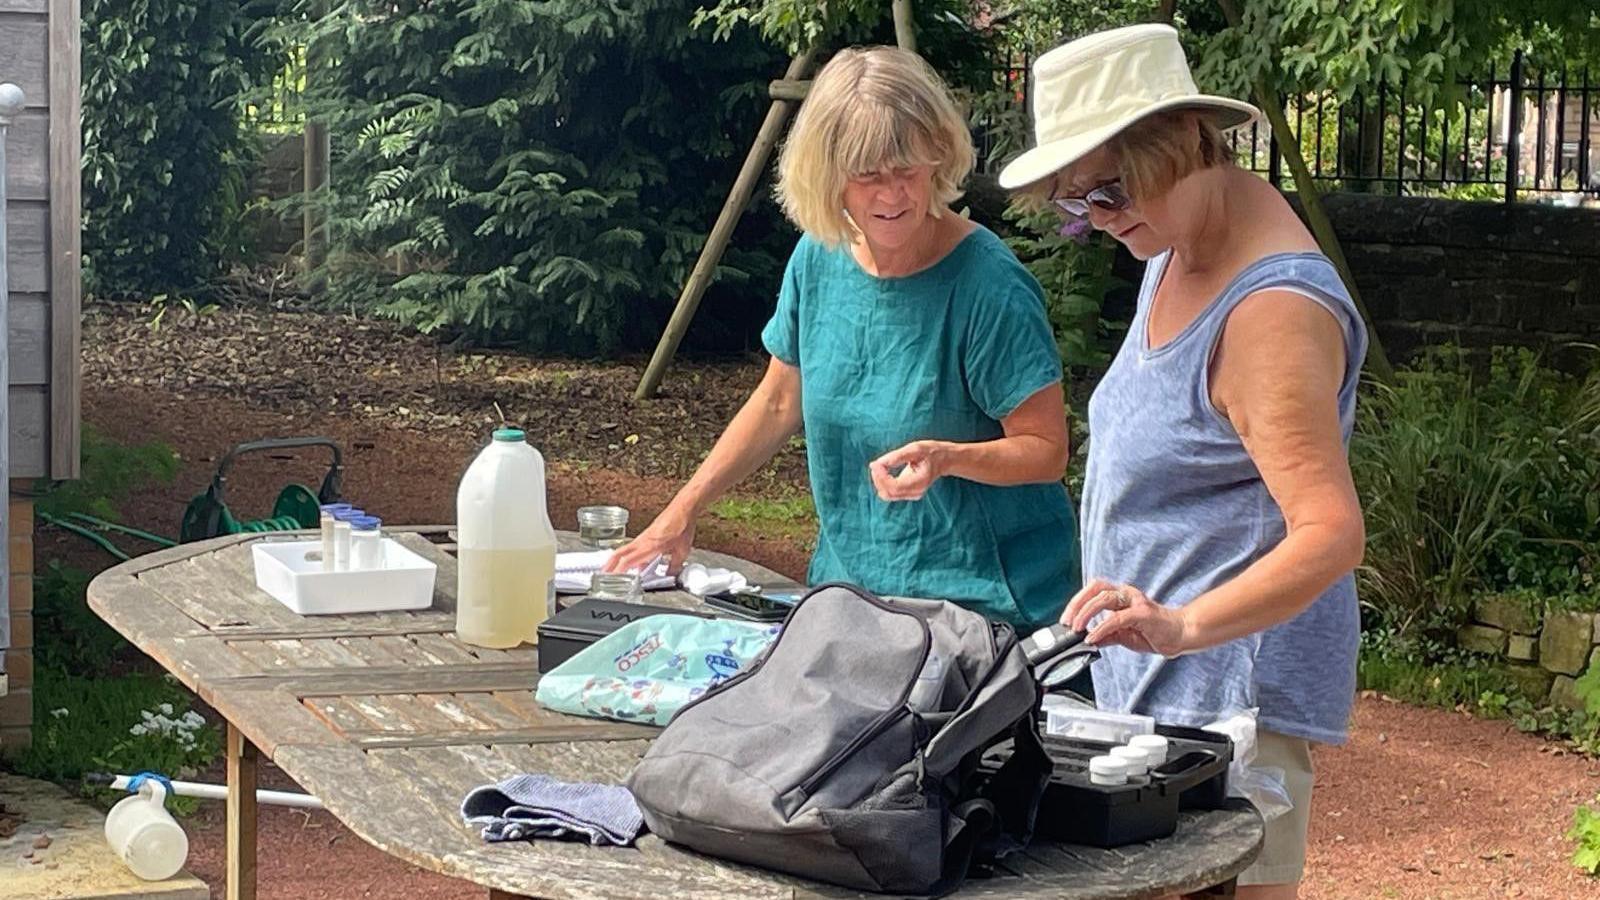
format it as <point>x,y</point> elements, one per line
<point>390,720</point>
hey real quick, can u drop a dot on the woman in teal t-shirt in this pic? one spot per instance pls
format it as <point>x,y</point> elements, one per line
<point>914,350</point>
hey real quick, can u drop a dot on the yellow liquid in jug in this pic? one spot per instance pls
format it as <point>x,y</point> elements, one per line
<point>503,595</point>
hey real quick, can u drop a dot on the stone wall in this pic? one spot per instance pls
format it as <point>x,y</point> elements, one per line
<point>1476,273</point>
<point>1544,653</point>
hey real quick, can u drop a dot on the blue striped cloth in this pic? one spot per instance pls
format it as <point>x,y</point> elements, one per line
<point>538,806</point>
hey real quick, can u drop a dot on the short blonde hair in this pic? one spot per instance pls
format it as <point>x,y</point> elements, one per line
<point>869,109</point>
<point>1152,155</point>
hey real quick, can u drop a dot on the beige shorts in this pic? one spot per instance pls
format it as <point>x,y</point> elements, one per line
<point>1283,855</point>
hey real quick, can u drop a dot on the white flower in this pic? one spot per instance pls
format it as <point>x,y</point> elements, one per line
<point>194,719</point>
<point>137,730</point>
<point>166,709</point>
<point>58,713</point>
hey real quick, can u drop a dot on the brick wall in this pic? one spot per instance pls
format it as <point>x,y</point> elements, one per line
<point>16,707</point>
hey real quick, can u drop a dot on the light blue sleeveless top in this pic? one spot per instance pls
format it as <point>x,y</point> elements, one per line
<point>1174,506</point>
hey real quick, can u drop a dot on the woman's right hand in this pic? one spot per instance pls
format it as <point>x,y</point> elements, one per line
<point>670,537</point>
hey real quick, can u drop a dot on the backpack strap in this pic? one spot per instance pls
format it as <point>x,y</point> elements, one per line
<point>1015,791</point>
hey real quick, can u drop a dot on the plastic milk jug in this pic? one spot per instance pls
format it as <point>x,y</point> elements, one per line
<point>506,549</point>
<point>145,836</point>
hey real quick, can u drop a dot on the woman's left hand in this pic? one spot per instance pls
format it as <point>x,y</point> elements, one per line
<point>1134,620</point>
<point>921,464</point>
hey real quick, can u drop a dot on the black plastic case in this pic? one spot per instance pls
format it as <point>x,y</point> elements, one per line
<point>1076,811</point>
<point>586,621</point>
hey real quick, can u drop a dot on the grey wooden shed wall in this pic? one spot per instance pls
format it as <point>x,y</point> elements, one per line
<point>39,52</point>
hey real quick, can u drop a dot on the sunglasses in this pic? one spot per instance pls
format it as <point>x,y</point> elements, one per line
<point>1109,196</point>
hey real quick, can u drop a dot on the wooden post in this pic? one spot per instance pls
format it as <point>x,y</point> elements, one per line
<point>905,28</point>
<point>705,267</point>
<point>11,100</point>
<point>315,152</point>
<point>241,862</point>
<point>1316,215</point>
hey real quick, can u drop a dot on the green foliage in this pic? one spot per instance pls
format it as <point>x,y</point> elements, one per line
<point>1585,832</point>
<point>1431,673</point>
<point>1477,482</point>
<point>164,160</point>
<point>1073,265</point>
<point>69,637</point>
<point>541,174</point>
<point>1313,45</point>
<point>124,724</point>
<point>108,472</point>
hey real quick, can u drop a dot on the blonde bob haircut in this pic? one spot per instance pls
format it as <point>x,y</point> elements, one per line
<point>1151,155</point>
<point>869,109</point>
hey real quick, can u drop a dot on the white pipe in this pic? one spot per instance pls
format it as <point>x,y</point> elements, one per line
<point>220,792</point>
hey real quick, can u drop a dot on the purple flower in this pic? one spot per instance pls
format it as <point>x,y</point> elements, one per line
<point>1078,229</point>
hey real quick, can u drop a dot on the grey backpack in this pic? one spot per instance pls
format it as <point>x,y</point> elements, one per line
<point>848,753</point>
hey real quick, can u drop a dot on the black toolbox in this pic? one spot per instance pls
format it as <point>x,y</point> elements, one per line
<point>1076,811</point>
<point>586,621</point>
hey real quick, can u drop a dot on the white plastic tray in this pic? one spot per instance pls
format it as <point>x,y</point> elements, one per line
<point>291,571</point>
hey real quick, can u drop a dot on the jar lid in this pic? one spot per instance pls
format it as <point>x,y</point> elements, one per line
<point>332,508</point>
<point>350,514</point>
<point>602,515</point>
<point>510,434</point>
<point>1110,766</point>
<point>1138,758</point>
<point>365,523</point>
<point>1155,743</point>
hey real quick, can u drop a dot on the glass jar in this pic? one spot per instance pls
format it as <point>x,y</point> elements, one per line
<point>603,527</point>
<point>623,586</point>
<point>366,543</point>
<point>341,537</point>
<point>329,512</point>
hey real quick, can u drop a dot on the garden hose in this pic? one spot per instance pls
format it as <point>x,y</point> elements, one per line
<point>276,523</point>
<point>98,539</point>
<point>123,529</point>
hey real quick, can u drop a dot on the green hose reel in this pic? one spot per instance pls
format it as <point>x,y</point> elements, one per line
<point>208,516</point>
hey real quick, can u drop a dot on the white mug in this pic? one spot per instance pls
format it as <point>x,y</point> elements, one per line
<point>145,836</point>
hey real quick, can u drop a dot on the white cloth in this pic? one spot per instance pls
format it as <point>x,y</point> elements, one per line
<point>573,571</point>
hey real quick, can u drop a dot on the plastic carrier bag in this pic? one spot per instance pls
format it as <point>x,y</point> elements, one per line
<point>647,670</point>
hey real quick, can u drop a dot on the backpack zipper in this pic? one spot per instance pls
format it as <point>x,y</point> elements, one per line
<point>891,715</point>
<point>872,732</point>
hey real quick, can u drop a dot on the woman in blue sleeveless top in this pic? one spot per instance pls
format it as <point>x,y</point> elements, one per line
<point>1220,523</point>
<point>914,350</point>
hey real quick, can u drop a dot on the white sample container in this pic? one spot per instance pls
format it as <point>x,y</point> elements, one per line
<point>506,549</point>
<point>1154,744</point>
<point>1096,725</point>
<point>292,573</point>
<point>1108,770</point>
<point>366,550</point>
<point>1137,758</point>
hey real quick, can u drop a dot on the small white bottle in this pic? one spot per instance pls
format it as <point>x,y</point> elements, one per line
<point>329,513</point>
<point>366,543</point>
<point>341,538</point>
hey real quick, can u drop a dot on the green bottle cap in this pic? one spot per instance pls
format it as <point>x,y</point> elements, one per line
<point>509,434</point>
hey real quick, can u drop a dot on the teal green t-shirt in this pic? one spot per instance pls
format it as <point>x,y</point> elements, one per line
<point>943,354</point>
